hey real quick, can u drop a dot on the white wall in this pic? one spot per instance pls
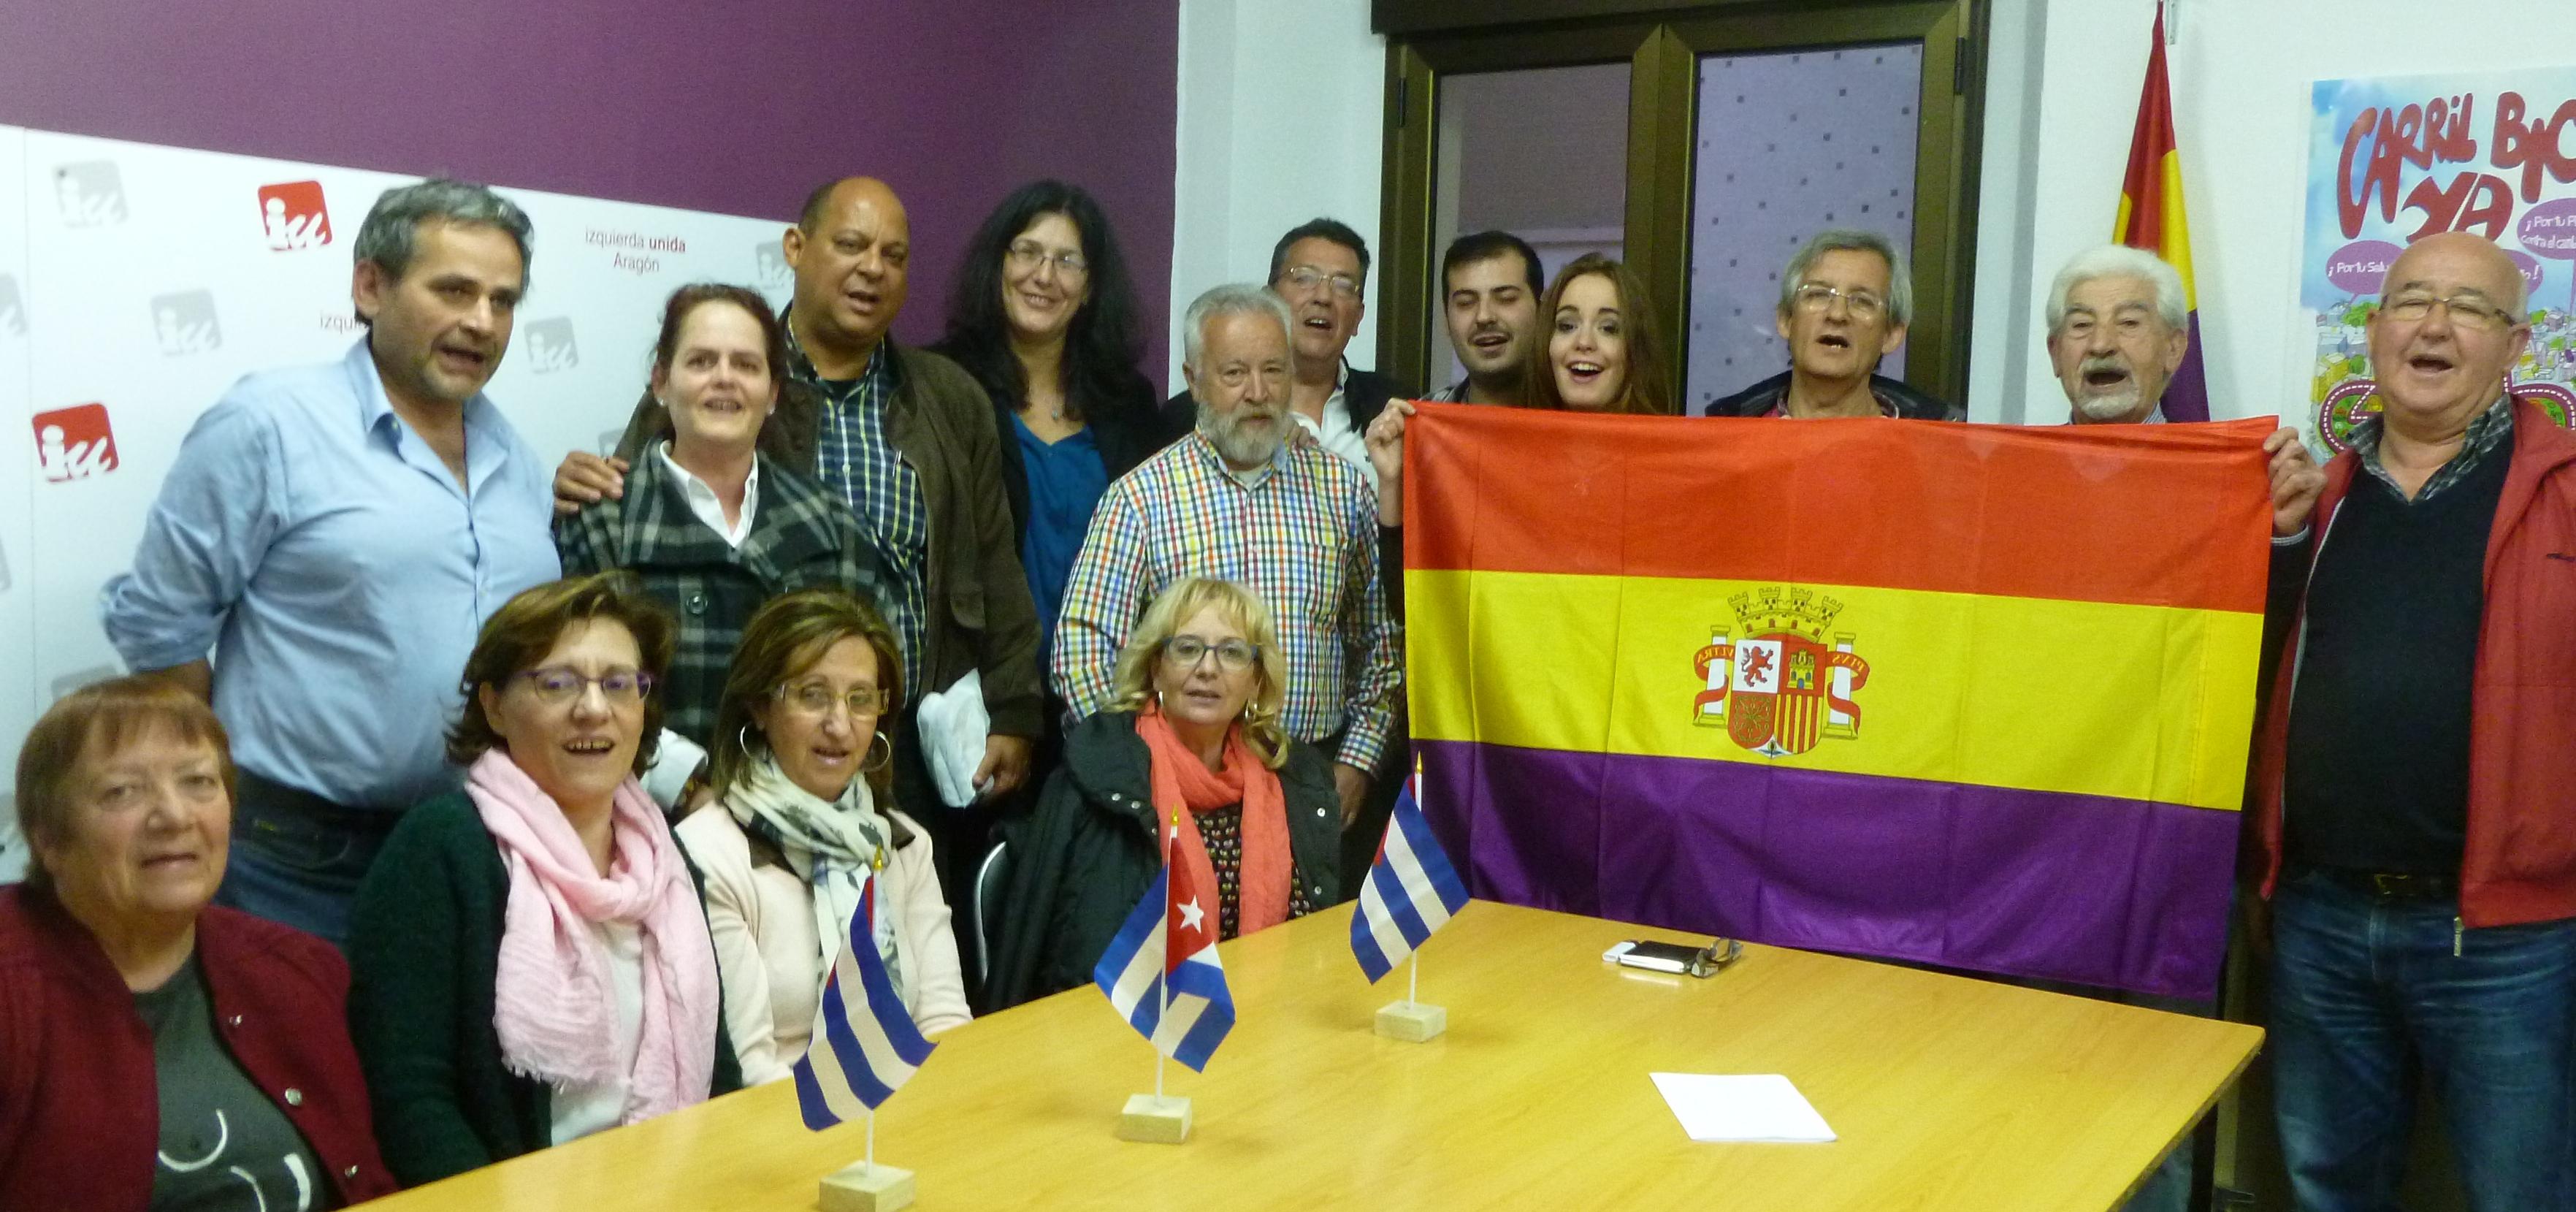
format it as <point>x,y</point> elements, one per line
<point>1282,118</point>
<point>2240,71</point>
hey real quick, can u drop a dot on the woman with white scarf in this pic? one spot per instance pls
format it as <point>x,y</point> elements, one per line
<point>795,836</point>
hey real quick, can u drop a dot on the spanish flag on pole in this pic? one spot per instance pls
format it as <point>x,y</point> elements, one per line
<point>2151,217</point>
<point>1920,691</point>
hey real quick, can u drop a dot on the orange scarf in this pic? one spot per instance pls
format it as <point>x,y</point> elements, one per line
<point>1180,780</point>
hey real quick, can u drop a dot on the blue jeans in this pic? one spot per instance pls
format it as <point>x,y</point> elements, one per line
<point>296,867</point>
<point>2365,991</point>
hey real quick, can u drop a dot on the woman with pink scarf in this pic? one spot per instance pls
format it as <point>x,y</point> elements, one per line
<point>530,960</point>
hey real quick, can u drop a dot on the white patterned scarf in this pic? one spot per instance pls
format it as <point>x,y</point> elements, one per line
<point>838,847</point>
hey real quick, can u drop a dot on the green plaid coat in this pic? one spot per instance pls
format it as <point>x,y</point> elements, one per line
<point>801,537</point>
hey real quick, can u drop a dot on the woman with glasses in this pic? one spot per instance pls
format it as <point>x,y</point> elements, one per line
<point>1192,741</point>
<point>802,834</point>
<point>1044,317</point>
<point>1603,352</point>
<point>711,527</point>
<point>530,962</point>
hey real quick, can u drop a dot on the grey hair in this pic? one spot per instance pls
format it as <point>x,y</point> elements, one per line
<point>1900,282</point>
<point>390,235</point>
<point>2120,261</point>
<point>1231,299</point>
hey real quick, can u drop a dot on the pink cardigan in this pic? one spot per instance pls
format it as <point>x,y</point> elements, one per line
<point>763,922</point>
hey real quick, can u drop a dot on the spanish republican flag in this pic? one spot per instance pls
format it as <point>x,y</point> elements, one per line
<point>1971,695</point>
<point>2151,217</point>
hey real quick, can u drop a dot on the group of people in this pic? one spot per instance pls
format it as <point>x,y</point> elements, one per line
<point>589,771</point>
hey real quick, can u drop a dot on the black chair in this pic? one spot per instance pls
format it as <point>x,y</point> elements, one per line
<point>990,877</point>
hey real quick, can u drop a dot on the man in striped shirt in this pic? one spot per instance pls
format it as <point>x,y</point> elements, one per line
<point>1247,498</point>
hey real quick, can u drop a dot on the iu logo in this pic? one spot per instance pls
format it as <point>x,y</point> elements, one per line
<point>185,322</point>
<point>551,346</point>
<point>769,264</point>
<point>92,193</point>
<point>74,443</point>
<point>292,215</point>
<point>1773,680</point>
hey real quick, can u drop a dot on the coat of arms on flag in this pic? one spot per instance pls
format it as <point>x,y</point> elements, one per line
<point>1774,680</point>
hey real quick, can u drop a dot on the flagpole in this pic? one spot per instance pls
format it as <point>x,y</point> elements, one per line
<point>1413,979</point>
<point>872,1138</point>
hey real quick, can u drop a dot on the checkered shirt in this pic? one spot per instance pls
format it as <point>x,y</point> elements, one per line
<point>2489,430</point>
<point>860,464</point>
<point>801,538</point>
<point>1303,536</point>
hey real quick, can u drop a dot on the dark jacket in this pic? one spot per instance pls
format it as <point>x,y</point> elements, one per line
<point>802,537</point>
<point>1892,394</point>
<point>1079,863</point>
<point>424,946</point>
<point>1364,393</point>
<point>981,614</point>
<point>80,1112</point>
<point>2520,863</point>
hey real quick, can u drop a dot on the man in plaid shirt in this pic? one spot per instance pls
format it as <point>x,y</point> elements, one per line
<point>1240,498</point>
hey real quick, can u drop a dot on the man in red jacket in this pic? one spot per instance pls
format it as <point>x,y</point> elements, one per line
<point>2413,781</point>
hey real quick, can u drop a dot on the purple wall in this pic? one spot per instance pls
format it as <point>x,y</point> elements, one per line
<point>737,108</point>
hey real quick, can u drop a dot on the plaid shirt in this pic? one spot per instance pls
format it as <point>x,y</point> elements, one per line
<point>2487,431</point>
<point>862,467</point>
<point>800,538</point>
<point>1302,535</point>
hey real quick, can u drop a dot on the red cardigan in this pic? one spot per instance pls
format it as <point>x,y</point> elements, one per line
<point>2520,865</point>
<point>80,1114</point>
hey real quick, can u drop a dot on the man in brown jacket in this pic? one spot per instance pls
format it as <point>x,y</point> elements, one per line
<point>906,437</point>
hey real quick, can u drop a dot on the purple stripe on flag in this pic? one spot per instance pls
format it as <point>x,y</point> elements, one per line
<point>2122,894</point>
<point>2187,394</point>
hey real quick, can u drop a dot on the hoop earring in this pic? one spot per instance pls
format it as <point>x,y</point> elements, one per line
<point>743,736</point>
<point>872,768</point>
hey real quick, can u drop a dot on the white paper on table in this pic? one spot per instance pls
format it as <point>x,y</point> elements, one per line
<point>1760,1107</point>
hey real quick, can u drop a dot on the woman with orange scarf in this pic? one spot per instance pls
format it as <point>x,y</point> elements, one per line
<point>1195,735</point>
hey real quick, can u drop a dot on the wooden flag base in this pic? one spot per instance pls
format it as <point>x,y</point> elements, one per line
<point>866,1188</point>
<point>1155,1120</point>
<point>1411,1022</point>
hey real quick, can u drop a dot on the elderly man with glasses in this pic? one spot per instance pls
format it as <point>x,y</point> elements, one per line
<point>1321,269</point>
<point>1845,300</point>
<point>2411,781</point>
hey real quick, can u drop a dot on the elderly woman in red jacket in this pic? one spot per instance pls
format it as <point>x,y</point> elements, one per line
<point>156,1051</point>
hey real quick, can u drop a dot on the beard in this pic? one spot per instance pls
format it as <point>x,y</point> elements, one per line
<point>1225,432</point>
<point>2111,406</point>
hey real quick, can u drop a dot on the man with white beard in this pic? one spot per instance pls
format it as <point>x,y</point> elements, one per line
<point>2116,332</point>
<point>1247,498</point>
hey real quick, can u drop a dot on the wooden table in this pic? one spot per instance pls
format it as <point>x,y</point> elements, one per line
<point>1946,1093</point>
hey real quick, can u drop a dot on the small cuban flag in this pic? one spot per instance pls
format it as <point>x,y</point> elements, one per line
<point>1161,971</point>
<point>1411,890</point>
<point>857,1060</point>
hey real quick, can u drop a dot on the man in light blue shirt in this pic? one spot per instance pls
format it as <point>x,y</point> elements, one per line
<point>333,537</point>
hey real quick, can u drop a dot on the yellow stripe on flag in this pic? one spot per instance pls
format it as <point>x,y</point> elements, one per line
<point>2175,241</point>
<point>1961,687</point>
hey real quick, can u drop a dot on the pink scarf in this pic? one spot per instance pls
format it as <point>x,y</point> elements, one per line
<point>1180,780</point>
<point>552,1005</point>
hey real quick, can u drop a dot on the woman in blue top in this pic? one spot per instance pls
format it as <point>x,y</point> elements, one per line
<point>1044,317</point>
